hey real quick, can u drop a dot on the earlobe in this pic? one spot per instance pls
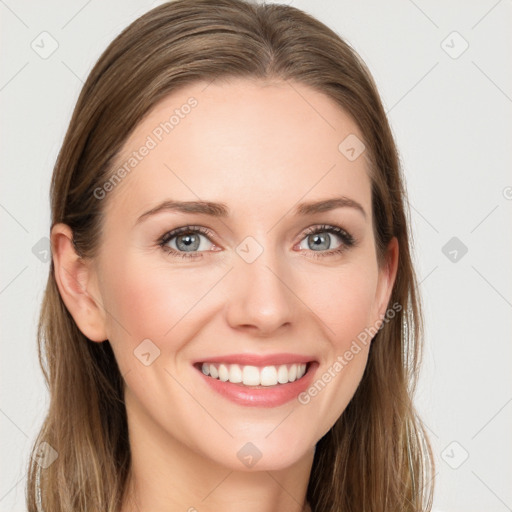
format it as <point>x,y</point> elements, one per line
<point>73,278</point>
<point>387,276</point>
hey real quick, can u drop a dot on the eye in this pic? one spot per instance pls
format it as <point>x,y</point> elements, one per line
<point>192,241</point>
<point>186,242</point>
<point>319,240</point>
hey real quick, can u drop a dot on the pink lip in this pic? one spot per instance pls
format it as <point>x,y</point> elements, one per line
<point>258,359</point>
<point>260,396</point>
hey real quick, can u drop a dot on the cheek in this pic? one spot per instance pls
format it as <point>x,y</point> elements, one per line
<point>344,302</point>
<point>154,301</point>
<point>344,299</point>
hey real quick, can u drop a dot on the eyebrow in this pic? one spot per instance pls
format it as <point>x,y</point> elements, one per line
<point>221,210</point>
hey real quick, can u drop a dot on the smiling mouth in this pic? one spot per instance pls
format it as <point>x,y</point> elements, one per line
<point>259,376</point>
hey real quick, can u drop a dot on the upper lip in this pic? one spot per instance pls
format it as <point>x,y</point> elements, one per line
<point>259,359</point>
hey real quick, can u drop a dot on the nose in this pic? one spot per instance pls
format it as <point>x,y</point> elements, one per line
<point>260,296</point>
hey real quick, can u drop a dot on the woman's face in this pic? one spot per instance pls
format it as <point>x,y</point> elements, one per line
<point>245,285</point>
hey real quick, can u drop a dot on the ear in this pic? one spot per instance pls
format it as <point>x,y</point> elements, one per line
<point>74,276</point>
<point>387,276</point>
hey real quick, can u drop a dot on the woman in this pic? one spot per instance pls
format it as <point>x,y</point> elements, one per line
<point>231,319</point>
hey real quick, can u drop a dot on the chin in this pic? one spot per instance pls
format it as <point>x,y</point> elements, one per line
<point>257,453</point>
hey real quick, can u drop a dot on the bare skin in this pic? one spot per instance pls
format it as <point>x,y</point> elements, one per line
<point>259,149</point>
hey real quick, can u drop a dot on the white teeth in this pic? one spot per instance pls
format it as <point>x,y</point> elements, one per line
<point>235,374</point>
<point>282,374</point>
<point>253,375</point>
<point>223,373</point>
<point>214,372</point>
<point>250,375</point>
<point>269,376</point>
<point>292,373</point>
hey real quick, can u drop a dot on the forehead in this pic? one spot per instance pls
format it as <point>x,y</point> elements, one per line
<point>239,142</point>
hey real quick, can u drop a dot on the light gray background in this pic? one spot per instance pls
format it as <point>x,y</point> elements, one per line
<point>451,116</point>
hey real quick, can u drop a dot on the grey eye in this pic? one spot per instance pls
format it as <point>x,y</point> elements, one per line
<point>320,241</point>
<point>188,242</point>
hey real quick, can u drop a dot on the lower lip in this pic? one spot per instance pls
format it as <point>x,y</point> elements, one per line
<point>262,396</point>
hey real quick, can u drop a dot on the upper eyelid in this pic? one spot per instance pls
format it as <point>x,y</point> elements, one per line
<point>186,229</point>
<point>325,227</point>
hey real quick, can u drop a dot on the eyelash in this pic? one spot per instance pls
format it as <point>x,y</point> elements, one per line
<point>347,240</point>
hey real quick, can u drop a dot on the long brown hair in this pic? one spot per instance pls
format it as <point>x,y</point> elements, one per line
<point>377,456</point>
